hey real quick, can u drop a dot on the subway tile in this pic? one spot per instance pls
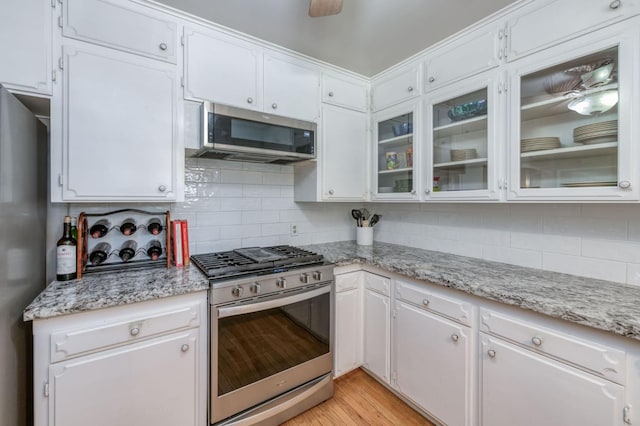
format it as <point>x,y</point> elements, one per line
<point>269,229</point>
<point>618,212</point>
<point>240,176</point>
<point>220,164</point>
<point>277,179</point>
<point>260,241</point>
<point>286,191</point>
<point>287,169</point>
<point>297,240</point>
<point>261,191</point>
<point>585,267</point>
<point>218,218</point>
<point>239,231</point>
<point>240,204</point>
<point>281,203</point>
<point>262,167</point>
<point>586,227</point>
<point>218,245</point>
<point>198,204</point>
<point>202,175</point>
<point>621,251</point>
<point>491,237</point>
<point>203,233</point>
<point>513,256</point>
<point>260,216</point>
<point>546,242</point>
<point>633,274</point>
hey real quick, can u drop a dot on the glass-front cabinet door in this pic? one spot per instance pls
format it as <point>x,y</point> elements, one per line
<point>572,130</point>
<point>394,152</point>
<point>463,141</point>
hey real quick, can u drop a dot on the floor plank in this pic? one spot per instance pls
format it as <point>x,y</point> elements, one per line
<point>360,400</point>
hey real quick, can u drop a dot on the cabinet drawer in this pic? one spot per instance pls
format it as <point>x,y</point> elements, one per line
<point>348,281</point>
<point>443,305</point>
<point>348,94</point>
<point>395,89</point>
<point>67,344</point>
<point>113,25</point>
<point>377,283</point>
<point>604,361</point>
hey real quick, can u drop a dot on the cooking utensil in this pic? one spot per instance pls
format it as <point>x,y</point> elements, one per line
<point>365,214</point>
<point>374,219</point>
<point>357,215</point>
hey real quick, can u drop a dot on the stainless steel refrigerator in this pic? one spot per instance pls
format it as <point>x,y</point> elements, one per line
<point>23,218</point>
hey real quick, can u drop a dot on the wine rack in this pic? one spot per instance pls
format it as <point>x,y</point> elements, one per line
<point>120,239</point>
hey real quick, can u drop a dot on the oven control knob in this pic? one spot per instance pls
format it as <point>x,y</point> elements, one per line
<point>255,288</point>
<point>304,278</point>
<point>317,275</point>
<point>281,283</point>
<point>237,291</point>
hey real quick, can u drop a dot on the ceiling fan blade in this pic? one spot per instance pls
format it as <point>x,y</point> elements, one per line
<point>324,7</point>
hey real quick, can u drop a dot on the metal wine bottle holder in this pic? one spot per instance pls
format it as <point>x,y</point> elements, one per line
<point>116,239</point>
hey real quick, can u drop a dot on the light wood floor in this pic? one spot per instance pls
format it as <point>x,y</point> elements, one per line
<point>360,400</point>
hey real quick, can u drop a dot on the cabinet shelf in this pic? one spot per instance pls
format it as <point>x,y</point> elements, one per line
<point>397,140</point>
<point>573,152</point>
<point>451,164</point>
<point>474,124</point>
<point>394,171</point>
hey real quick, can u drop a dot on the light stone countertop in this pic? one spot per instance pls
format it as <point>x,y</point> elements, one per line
<point>595,303</point>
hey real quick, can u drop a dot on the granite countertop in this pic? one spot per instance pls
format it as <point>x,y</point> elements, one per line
<point>107,289</point>
<point>595,303</point>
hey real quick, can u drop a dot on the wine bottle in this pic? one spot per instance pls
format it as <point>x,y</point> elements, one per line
<point>66,254</point>
<point>154,249</point>
<point>128,250</point>
<point>154,226</point>
<point>74,228</point>
<point>100,228</point>
<point>100,253</point>
<point>128,227</point>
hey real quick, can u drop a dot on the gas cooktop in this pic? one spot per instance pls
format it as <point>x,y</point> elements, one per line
<point>255,261</point>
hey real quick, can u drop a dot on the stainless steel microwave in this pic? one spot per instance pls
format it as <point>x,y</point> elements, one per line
<point>243,135</point>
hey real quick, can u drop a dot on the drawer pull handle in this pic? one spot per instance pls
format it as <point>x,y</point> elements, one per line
<point>536,340</point>
<point>134,331</point>
<point>455,337</point>
<point>425,302</point>
<point>184,348</point>
<point>491,353</point>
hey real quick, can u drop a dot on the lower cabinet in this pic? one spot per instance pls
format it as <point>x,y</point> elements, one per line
<point>432,358</point>
<point>377,327</point>
<point>348,323</point>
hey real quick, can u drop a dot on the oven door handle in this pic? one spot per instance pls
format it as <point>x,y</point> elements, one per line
<point>229,311</point>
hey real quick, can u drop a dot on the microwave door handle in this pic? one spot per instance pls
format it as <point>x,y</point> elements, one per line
<point>229,311</point>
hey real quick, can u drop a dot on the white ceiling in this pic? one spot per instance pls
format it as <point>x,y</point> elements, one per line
<point>366,37</point>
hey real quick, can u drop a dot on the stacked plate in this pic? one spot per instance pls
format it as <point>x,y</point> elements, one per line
<point>539,144</point>
<point>463,154</point>
<point>607,131</point>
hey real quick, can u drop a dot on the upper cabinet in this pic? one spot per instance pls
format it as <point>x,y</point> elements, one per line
<point>396,88</point>
<point>572,124</point>
<point>543,25</point>
<point>344,92</point>
<point>25,43</point>
<point>116,24</point>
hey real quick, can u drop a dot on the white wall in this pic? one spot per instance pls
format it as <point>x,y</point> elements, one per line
<point>593,240</point>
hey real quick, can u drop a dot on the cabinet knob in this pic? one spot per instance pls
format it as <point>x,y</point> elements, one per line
<point>134,331</point>
<point>426,191</point>
<point>491,353</point>
<point>615,4</point>
<point>536,340</point>
<point>249,100</point>
<point>455,337</point>
<point>624,184</point>
<point>425,302</point>
<point>331,192</point>
<point>331,94</point>
<point>162,188</point>
<point>274,105</point>
<point>432,79</point>
<point>410,89</point>
<point>413,192</point>
<point>184,348</point>
<point>163,46</point>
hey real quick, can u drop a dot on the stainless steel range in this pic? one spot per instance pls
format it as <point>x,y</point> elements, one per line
<point>271,333</point>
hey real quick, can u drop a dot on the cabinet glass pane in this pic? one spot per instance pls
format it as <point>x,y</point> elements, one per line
<point>395,154</point>
<point>569,124</point>
<point>460,143</point>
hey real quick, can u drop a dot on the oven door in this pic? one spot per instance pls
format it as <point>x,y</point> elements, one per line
<point>263,348</point>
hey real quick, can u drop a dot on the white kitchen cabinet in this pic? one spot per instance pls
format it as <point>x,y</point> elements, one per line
<point>222,68</point>
<point>25,43</point>
<point>291,89</point>
<point>396,87</point>
<point>121,25</point>
<point>396,152</point>
<point>345,92</point>
<point>571,111</point>
<point>473,53</point>
<point>377,327</point>
<point>348,322</point>
<point>432,358</point>
<point>545,24</point>
<point>522,387</point>
<point>114,128</point>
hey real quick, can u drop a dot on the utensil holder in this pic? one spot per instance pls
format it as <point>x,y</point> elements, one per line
<point>364,236</point>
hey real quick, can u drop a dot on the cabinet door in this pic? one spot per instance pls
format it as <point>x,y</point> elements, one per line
<point>571,134</point>
<point>432,363</point>
<point>25,43</point>
<point>290,89</point>
<point>540,27</point>
<point>222,69</point>
<point>348,327</point>
<point>524,388</point>
<point>376,334</point>
<point>344,93</point>
<point>344,136</point>
<point>149,383</point>
<point>118,141</point>
<point>125,27</point>
<point>396,88</point>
